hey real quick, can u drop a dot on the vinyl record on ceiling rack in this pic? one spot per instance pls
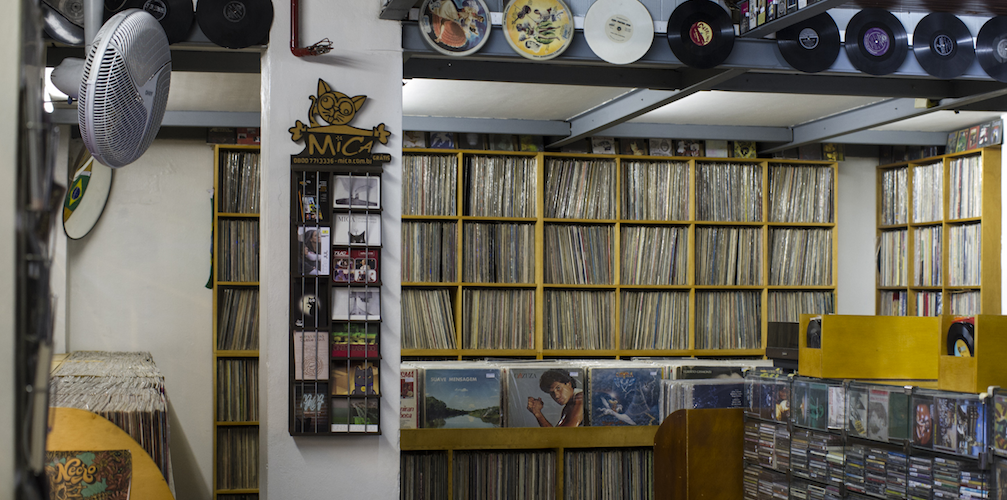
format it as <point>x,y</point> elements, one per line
<point>991,48</point>
<point>811,45</point>
<point>235,24</point>
<point>876,42</point>
<point>455,27</point>
<point>86,197</point>
<point>943,45</point>
<point>961,337</point>
<point>619,31</point>
<point>538,29</point>
<point>700,33</point>
<point>175,16</point>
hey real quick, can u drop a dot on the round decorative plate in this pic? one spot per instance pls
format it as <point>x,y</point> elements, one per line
<point>538,29</point>
<point>455,27</point>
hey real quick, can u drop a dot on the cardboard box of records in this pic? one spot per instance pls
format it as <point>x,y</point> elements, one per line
<point>966,364</point>
<point>888,348</point>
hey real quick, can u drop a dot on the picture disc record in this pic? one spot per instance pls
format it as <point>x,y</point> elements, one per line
<point>86,197</point>
<point>455,27</point>
<point>876,42</point>
<point>700,33</point>
<point>538,29</point>
<point>619,31</point>
<point>235,24</point>
<point>961,338</point>
<point>991,48</point>
<point>943,45</point>
<point>175,16</point>
<point>811,45</point>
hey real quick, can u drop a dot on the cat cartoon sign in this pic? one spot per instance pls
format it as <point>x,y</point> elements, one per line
<point>335,141</point>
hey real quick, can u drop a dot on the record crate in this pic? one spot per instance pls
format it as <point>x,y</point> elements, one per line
<point>885,348</point>
<point>985,367</point>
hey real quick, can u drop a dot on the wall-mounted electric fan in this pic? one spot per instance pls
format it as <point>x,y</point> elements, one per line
<point>123,87</point>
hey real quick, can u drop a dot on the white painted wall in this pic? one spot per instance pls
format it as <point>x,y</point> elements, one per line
<point>137,283</point>
<point>366,60</point>
<point>857,224</point>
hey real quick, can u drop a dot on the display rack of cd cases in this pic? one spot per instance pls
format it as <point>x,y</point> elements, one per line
<point>335,294</point>
<point>586,250</point>
<point>998,443</point>
<point>236,205</point>
<point>767,436</point>
<point>939,235</point>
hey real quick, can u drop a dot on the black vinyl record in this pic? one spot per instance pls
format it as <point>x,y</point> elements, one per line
<point>961,338</point>
<point>876,42</point>
<point>811,45</point>
<point>943,45</point>
<point>991,48</point>
<point>235,24</point>
<point>175,16</point>
<point>814,333</point>
<point>700,33</point>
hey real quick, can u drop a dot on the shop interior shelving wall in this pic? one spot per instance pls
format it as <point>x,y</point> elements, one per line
<point>914,274</point>
<point>235,320</point>
<point>697,182</point>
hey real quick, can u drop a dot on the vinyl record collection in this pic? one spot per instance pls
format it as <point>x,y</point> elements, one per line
<point>928,192</point>
<point>424,475</point>
<point>239,183</point>
<point>500,186</point>
<point>238,254</point>
<point>895,303</point>
<point>928,303</point>
<point>625,473</point>
<point>124,387</point>
<point>963,302</point>
<point>927,258</point>
<point>580,189</point>
<point>429,184</point>
<point>526,475</point>
<point>598,281</point>
<point>499,252</point>
<point>238,320</point>
<point>966,188</point>
<point>858,440</point>
<point>237,458</point>
<point>894,197</point>
<point>892,264</point>
<point>728,255</point>
<point>965,254</point>
<point>498,319</point>
<point>655,190</point>
<point>335,299</point>
<point>238,390</point>
<point>654,255</point>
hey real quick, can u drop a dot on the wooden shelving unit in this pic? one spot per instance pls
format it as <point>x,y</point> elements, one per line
<point>987,223</point>
<point>688,284</point>
<point>235,324</point>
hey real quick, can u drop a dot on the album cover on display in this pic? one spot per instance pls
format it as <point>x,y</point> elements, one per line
<point>355,415</point>
<point>342,265</point>
<point>877,414</point>
<point>716,149</point>
<point>461,398</point>
<point>545,397</point>
<point>970,427</point>
<point>531,143</point>
<point>973,141</point>
<point>354,378</point>
<point>408,394</point>
<point>837,407</point>
<point>311,407</point>
<point>717,393</point>
<point>501,142</point>
<point>661,147</point>
<point>767,399</point>
<point>414,139</point>
<point>311,356</point>
<point>946,435</point>
<point>636,147</point>
<point>712,371</point>
<point>952,142</point>
<point>1000,424</point>
<point>353,229</point>
<point>603,145</point>
<point>744,149</point>
<point>312,196</point>
<point>984,135</point>
<point>356,191</point>
<point>857,414</point>
<point>898,415</point>
<point>923,421</point>
<point>355,340</point>
<point>442,140</point>
<point>690,147</point>
<point>356,304</point>
<point>963,141</point>
<point>310,297</point>
<point>811,404</point>
<point>472,141</point>
<point>624,395</point>
<point>313,250</point>
<point>996,132</point>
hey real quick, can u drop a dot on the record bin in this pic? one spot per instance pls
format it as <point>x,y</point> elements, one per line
<point>949,443</point>
<point>985,367</point>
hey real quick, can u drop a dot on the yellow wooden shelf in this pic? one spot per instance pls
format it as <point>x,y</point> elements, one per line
<point>728,223</point>
<point>566,285</point>
<point>478,218</point>
<point>585,353</point>
<point>580,221</point>
<point>800,287</point>
<point>241,491</point>
<point>968,220</point>
<point>977,373</point>
<point>499,285</point>
<point>800,224</point>
<point>237,283</point>
<point>728,287</point>
<point>497,352</point>
<point>892,227</point>
<point>432,284</point>
<point>430,217</point>
<point>430,352</point>
<point>235,354</point>
<point>649,222</point>
<point>526,438</point>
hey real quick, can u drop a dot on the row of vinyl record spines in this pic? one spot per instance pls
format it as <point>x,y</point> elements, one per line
<point>964,195</point>
<point>585,254</point>
<point>584,188</point>
<point>964,256</point>
<point>929,302</point>
<point>622,473</point>
<point>584,319</point>
<point>570,393</point>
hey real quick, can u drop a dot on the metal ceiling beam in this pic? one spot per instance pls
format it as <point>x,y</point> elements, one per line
<point>207,61</point>
<point>486,125</point>
<point>885,137</point>
<point>636,103</point>
<point>872,116</point>
<point>791,19</point>
<point>715,132</point>
<point>68,116</point>
<point>396,10</point>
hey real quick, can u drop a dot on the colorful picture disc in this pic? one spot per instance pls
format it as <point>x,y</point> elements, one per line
<point>86,197</point>
<point>619,31</point>
<point>538,29</point>
<point>455,27</point>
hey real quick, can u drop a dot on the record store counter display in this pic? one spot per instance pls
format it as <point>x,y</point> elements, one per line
<point>335,269</point>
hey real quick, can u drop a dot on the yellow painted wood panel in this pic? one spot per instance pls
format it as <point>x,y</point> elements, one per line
<point>526,438</point>
<point>873,347</point>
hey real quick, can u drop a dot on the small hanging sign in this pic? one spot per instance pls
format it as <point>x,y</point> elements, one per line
<point>336,142</point>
